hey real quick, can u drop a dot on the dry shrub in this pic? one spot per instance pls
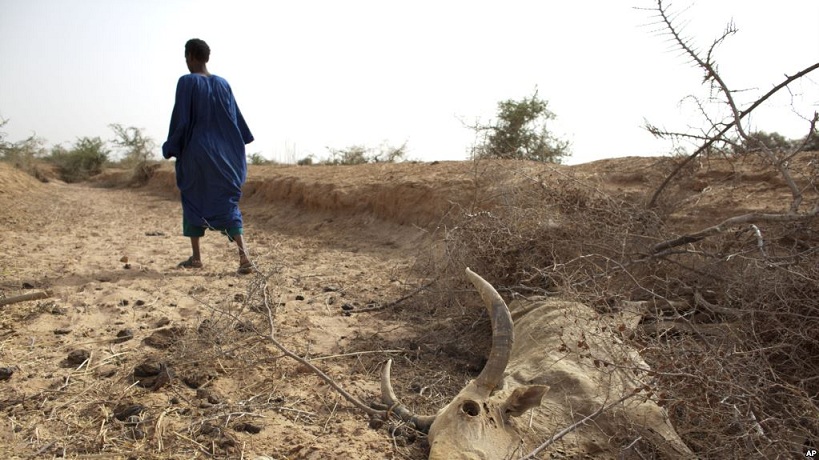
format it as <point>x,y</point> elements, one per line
<point>729,326</point>
<point>142,173</point>
<point>749,386</point>
<point>534,234</point>
<point>139,175</point>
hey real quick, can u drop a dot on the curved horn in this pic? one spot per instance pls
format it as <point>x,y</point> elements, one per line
<point>422,422</point>
<point>503,334</point>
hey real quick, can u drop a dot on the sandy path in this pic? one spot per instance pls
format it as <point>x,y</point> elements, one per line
<point>72,239</point>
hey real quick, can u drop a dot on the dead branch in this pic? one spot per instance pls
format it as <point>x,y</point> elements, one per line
<point>329,380</point>
<point>782,167</point>
<point>261,282</point>
<point>708,143</point>
<point>25,297</point>
<point>395,302</point>
<point>575,425</point>
<point>725,311</point>
<point>754,217</point>
<point>712,75</point>
<point>271,337</point>
<point>656,306</point>
<point>665,327</point>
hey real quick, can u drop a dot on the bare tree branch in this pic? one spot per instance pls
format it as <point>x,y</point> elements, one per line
<point>576,425</point>
<point>25,297</point>
<point>788,80</point>
<point>271,337</point>
<point>711,74</point>
<point>731,222</point>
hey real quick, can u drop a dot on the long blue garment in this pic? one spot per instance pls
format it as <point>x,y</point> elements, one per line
<point>208,136</point>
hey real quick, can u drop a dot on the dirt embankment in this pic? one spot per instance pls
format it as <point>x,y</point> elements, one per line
<point>405,194</point>
<point>425,194</point>
<point>13,181</point>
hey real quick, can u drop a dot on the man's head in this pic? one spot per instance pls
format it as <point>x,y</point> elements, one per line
<point>196,50</point>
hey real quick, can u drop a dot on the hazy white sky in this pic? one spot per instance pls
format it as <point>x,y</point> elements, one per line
<point>315,74</point>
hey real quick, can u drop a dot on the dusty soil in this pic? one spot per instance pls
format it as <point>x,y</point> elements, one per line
<point>132,357</point>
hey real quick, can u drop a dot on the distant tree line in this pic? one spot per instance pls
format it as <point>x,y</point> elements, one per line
<point>519,132</point>
<point>774,141</point>
<point>84,158</point>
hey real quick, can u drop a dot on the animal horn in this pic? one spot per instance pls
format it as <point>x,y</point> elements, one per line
<point>422,422</point>
<point>502,334</point>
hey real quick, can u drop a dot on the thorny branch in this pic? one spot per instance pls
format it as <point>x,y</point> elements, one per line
<point>780,164</point>
<point>730,222</point>
<point>558,436</point>
<point>730,125</point>
<point>394,302</point>
<point>735,123</point>
<point>271,337</point>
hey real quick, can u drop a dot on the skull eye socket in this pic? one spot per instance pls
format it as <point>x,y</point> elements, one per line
<point>471,408</point>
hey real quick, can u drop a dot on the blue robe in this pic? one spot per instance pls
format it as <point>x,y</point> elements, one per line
<point>208,136</point>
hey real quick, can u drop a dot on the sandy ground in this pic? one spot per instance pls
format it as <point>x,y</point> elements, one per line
<point>87,364</point>
<point>108,257</point>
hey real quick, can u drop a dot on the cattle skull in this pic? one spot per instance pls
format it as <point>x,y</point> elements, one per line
<point>479,423</point>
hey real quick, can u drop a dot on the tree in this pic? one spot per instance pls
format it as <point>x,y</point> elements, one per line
<point>23,154</point>
<point>360,154</point>
<point>137,147</point>
<point>353,155</point>
<point>756,141</point>
<point>85,159</point>
<point>811,141</point>
<point>3,135</point>
<point>521,133</point>
<point>720,129</point>
<point>257,159</point>
<point>389,154</point>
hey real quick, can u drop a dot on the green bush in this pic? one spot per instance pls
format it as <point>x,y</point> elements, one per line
<point>812,144</point>
<point>359,155</point>
<point>520,133</point>
<point>24,155</point>
<point>759,139</point>
<point>256,158</point>
<point>85,159</point>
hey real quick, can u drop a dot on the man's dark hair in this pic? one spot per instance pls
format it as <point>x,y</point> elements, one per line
<point>198,49</point>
